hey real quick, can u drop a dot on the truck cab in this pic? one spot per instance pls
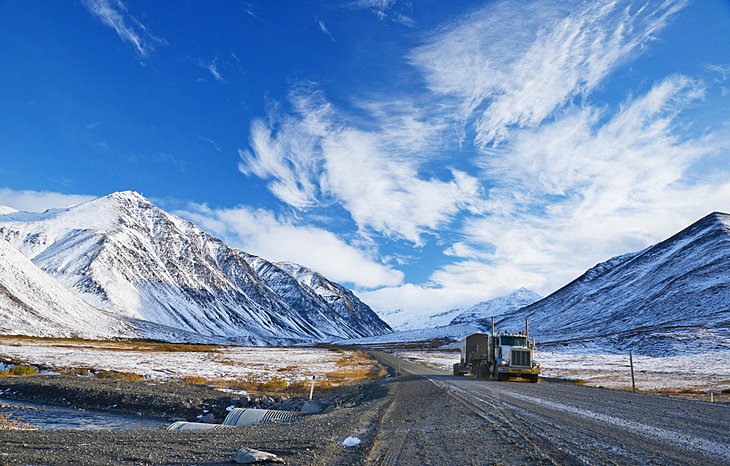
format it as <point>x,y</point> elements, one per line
<point>514,357</point>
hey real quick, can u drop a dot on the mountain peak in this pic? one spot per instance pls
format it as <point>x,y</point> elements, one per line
<point>497,306</point>
<point>132,197</point>
<point>720,217</point>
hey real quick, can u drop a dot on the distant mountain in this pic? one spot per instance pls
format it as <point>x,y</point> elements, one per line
<point>122,254</point>
<point>671,297</point>
<point>483,312</point>
<point>460,322</point>
<point>402,319</point>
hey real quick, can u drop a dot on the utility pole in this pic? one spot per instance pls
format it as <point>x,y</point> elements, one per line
<point>631,363</point>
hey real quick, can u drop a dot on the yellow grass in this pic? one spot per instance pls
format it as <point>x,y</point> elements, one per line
<point>114,345</point>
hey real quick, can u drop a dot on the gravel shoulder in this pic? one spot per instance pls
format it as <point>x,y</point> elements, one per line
<point>171,401</point>
<point>310,440</point>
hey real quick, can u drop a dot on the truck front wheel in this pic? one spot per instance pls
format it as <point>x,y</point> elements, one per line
<point>533,378</point>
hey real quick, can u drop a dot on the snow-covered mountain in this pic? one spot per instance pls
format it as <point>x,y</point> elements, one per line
<point>482,313</point>
<point>122,254</point>
<point>673,296</point>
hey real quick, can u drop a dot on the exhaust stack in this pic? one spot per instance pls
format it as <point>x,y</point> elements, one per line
<point>527,329</point>
<point>492,325</point>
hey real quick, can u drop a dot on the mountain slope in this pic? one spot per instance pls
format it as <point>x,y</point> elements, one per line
<point>123,254</point>
<point>674,295</point>
<point>33,303</point>
<point>340,299</point>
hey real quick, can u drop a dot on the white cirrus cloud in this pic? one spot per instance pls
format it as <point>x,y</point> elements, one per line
<point>324,29</point>
<point>575,192</point>
<point>513,63</point>
<point>383,9</point>
<point>114,14</point>
<point>375,173</point>
<point>592,187</point>
<point>39,201</point>
<point>262,233</point>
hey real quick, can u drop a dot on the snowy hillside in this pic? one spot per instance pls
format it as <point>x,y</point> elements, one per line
<point>483,312</point>
<point>338,298</point>
<point>33,303</point>
<point>671,297</point>
<point>122,254</point>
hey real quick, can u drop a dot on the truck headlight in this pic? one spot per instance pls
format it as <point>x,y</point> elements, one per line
<point>504,362</point>
<point>535,364</point>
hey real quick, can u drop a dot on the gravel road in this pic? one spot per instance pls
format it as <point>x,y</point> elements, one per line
<point>568,424</point>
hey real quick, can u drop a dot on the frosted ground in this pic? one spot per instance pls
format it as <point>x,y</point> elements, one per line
<point>700,373</point>
<point>221,362</point>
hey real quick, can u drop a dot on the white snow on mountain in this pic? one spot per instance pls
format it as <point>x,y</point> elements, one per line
<point>33,303</point>
<point>673,297</point>
<point>122,254</point>
<point>483,312</point>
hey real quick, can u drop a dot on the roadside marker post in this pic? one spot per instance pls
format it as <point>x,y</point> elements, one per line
<point>712,397</point>
<point>631,363</point>
<point>311,389</point>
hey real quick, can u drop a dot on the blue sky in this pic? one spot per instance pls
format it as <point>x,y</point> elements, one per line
<point>428,154</point>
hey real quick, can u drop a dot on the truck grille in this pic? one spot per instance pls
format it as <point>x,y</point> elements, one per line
<point>520,358</point>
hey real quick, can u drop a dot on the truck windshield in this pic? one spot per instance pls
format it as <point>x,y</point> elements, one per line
<point>513,341</point>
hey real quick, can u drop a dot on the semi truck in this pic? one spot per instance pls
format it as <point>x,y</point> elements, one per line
<point>499,356</point>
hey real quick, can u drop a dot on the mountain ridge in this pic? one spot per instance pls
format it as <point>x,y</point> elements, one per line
<point>657,299</point>
<point>123,254</point>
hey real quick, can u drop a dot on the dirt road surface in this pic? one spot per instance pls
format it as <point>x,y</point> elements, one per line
<point>544,423</point>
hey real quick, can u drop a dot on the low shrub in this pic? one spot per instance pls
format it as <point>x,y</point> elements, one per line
<point>12,423</point>
<point>22,370</point>
<point>194,380</point>
<point>273,384</point>
<point>129,376</point>
<point>725,391</point>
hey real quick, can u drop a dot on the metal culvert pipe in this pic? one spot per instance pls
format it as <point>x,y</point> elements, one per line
<point>251,416</point>
<point>183,425</point>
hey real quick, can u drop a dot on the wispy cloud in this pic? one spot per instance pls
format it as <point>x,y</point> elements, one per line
<point>383,9</point>
<point>114,14</point>
<point>212,66</point>
<point>211,142</point>
<point>323,28</point>
<point>250,10</point>
<point>274,238</point>
<point>513,63</point>
<point>564,179</point>
<point>39,201</point>
<point>585,188</point>
<point>311,155</point>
